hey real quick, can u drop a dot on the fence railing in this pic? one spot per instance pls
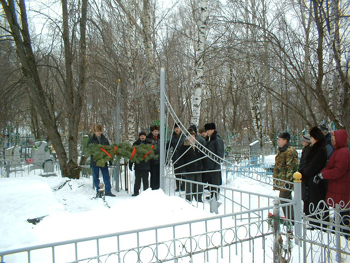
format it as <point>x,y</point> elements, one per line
<point>210,239</point>
<point>249,228</point>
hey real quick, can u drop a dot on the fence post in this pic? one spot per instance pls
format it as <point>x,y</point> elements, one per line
<point>276,231</point>
<point>337,222</point>
<point>298,209</point>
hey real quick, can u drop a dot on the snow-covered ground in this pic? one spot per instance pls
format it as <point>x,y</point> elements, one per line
<point>70,212</point>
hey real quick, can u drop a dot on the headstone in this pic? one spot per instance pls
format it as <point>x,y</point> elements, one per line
<point>254,152</point>
<point>40,154</point>
<point>42,158</point>
<point>12,156</point>
<point>245,136</point>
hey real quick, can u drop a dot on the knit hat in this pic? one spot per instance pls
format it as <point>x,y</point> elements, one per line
<point>142,133</point>
<point>284,135</point>
<point>316,133</point>
<point>306,138</point>
<point>209,126</point>
<point>193,127</point>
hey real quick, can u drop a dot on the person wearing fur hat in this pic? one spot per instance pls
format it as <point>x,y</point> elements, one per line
<point>315,161</point>
<point>153,138</point>
<point>99,138</point>
<point>141,169</point>
<point>306,142</point>
<point>215,144</point>
<point>286,164</point>
<point>337,173</point>
<point>176,140</point>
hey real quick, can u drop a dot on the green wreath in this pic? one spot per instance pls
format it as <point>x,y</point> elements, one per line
<point>136,154</point>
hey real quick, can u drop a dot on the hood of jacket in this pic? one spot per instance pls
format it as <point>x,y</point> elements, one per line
<point>341,138</point>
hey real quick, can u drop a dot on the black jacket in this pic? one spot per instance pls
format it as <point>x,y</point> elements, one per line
<point>216,145</point>
<point>144,166</point>
<point>190,154</point>
<point>175,143</point>
<point>315,161</point>
<point>93,140</point>
<point>156,142</point>
<point>304,152</point>
<point>329,145</point>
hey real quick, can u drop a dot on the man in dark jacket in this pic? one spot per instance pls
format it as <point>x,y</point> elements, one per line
<point>327,135</point>
<point>191,159</point>
<point>153,138</point>
<point>177,139</point>
<point>141,169</point>
<point>99,138</point>
<point>215,144</point>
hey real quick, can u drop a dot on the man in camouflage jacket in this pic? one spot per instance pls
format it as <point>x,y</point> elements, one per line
<point>286,164</point>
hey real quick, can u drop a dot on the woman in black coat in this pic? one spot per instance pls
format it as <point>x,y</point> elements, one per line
<point>315,161</point>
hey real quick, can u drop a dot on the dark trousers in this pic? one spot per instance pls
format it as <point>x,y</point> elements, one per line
<point>105,175</point>
<point>140,174</point>
<point>155,176</point>
<point>214,178</point>
<point>193,189</point>
<point>288,211</point>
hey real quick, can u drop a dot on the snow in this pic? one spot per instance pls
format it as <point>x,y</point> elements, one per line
<point>70,212</point>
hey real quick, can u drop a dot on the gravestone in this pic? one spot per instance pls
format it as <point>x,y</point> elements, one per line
<point>12,161</point>
<point>253,152</point>
<point>42,158</point>
<point>12,156</point>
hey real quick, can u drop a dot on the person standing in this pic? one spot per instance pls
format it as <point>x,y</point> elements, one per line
<point>337,173</point>
<point>192,167</point>
<point>306,142</point>
<point>153,138</point>
<point>286,164</point>
<point>329,146</point>
<point>199,138</point>
<point>315,161</point>
<point>99,138</point>
<point>203,132</point>
<point>177,139</point>
<point>215,144</point>
<point>141,169</point>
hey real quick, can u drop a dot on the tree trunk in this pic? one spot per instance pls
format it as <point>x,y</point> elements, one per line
<point>199,64</point>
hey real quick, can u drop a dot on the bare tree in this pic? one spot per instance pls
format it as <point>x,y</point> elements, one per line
<point>19,30</point>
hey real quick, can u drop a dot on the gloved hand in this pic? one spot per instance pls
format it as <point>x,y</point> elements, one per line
<point>317,178</point>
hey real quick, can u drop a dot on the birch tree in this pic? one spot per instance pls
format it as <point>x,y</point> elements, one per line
<point>199,63</point>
